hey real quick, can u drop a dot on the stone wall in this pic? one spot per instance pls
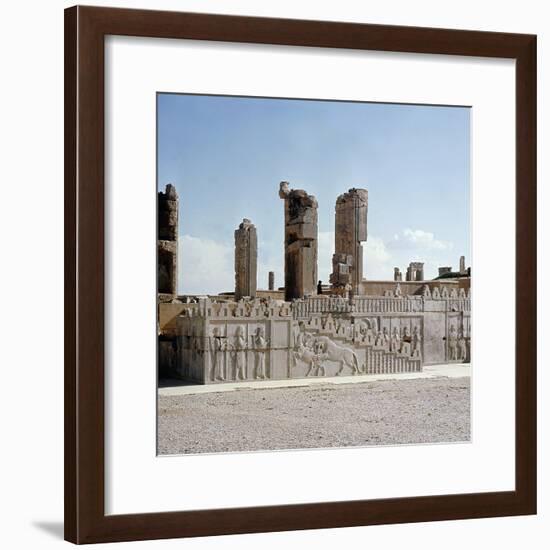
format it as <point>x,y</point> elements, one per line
<point>321,336</point>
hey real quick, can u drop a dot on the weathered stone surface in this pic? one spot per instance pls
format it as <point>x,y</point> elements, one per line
<point>321,336</point>
<point>167,356</point>
<point>359,327</point>
<point>300,242</point>
<point>415,271</point>
<point>350,231</point>
<point>168,213</point>
<point>246,260</point>
<point>167,257</point>
<point>397,275</point>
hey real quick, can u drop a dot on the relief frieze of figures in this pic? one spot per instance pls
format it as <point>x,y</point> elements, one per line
<point>229,355</point>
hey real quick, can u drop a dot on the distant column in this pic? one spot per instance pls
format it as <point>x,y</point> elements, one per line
<point>462,268</point>
<point>246,260</point>
<point>415,271</point>
<point>397,275</point>
<point>350,231</point>
<point>271,280</point>
<point>300,242</point>
<point>167,244</point>
<point>445,269</point>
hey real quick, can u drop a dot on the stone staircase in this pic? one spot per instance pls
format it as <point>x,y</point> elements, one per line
<point>372,359</point>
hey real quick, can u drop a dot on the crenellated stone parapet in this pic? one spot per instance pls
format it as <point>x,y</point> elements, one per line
<point>456,301</point>
<point>264,308</point>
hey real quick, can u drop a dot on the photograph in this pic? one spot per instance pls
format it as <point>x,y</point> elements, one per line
<point>313,274</point>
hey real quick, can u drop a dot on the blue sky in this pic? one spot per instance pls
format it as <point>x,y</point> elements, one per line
<point>227,155</point>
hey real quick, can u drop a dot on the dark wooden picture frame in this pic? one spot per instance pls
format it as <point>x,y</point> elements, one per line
<point>85,30</point>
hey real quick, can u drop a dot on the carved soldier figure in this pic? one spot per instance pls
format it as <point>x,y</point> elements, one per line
<point>406,341</point>
<point>360,331</point>
<point>397,291</point>
<point>219,348</point>
<point>369,336</point>
<point>303,339</point>
<point>416,340</point>
<point>462,352</point>
<point>453,344</point>
<point>385,338</point>
<point>260,344</point>
<point>240,346</point>
<point>395,340</point>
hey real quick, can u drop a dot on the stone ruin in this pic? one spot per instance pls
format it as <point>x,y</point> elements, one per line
<point>300,242</point>
<point>321,337</point>
<point>167,243</point>
<point>415,272</point>
<point>211,340</point>
<point>246,260</point>
<point>350,231</point>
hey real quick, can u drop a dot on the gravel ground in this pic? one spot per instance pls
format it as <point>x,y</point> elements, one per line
<point>374,413</point>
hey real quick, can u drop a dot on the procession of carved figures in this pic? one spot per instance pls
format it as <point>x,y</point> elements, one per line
<point>229,355</point>
<point>458,341</point>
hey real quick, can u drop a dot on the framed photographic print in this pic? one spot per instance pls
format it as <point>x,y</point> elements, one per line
<point>300,274</point>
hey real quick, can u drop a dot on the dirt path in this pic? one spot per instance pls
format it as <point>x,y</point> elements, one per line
<point>372,413</point>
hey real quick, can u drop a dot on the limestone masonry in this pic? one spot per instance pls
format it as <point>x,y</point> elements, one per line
<point>350,231</point>
<point>355,327</point>
<point>246,260</point>
<point>300,242</point>
<point>168,205</point>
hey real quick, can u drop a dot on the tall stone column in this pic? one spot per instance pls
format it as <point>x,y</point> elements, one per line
<point>462,266</point>
<point>271,280</point>
<point>167,244</point>
<point>246,260</point>
<point>350,231</point>
<point>300,242</point>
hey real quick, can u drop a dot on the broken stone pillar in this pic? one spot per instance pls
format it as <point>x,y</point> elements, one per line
<point>246,260</point>
<point>397,275</point>
<point>443,270</point>
<point>462,267</point>
<point>167,244</point>
<point>415,271</point>
<point>271,280</point>
<point>350,231</point>
<point>300,242</point>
